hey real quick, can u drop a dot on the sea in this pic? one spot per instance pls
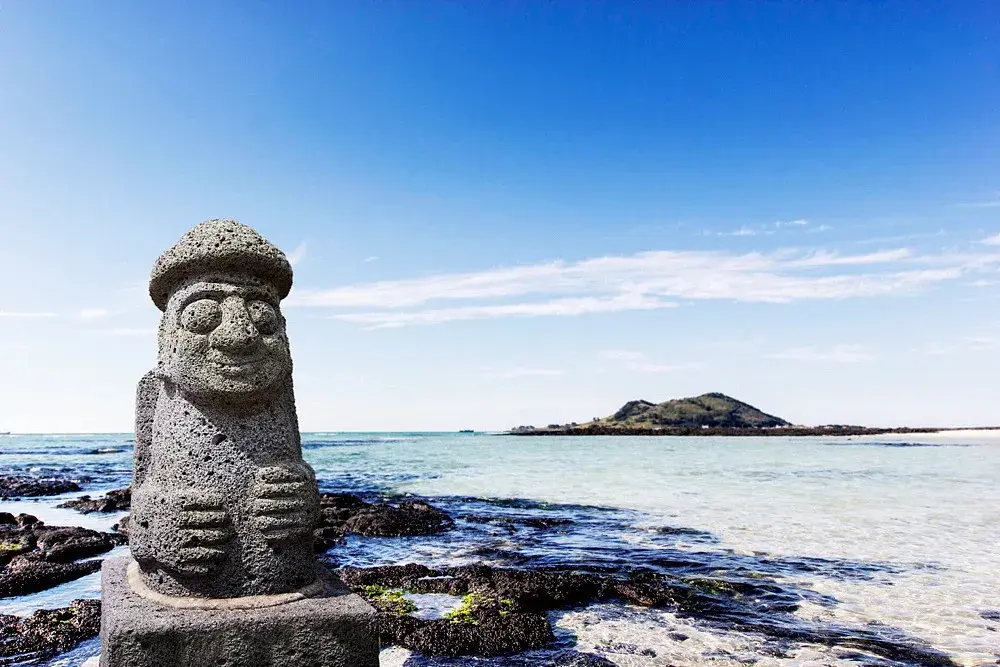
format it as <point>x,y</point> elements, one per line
<point>887,548</point>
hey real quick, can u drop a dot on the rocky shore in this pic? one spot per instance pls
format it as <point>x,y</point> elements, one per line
<point>36,557</point>
<point>494,610</point>
<point>784,431</point>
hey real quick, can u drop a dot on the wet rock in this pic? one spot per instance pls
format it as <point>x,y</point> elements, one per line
<point>63,545</point>
<point>19,486</point>
<point>36,557</point>
<point>490,634</point>
<point>577,659</point>
<point>121,527</point>
<point>541,523</point>
<point>28,573</point>
<point>620,648</point>
<point>482,625</point>
<point>345,513</point>
<point>113,501</point>
<point>752,606</point>
<point>48,632</point>
<point>411,517</point>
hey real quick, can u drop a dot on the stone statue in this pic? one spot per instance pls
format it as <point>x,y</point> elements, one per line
<point>223,505</point>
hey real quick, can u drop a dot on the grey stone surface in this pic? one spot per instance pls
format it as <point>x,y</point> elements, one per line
<point>223,504</point>
<point>330,630</point>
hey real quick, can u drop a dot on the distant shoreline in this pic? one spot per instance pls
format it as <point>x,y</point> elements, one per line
<point>786,431</point>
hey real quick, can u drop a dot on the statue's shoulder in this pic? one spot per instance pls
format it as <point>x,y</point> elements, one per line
<point>146,395</point>
<point>147,390</point>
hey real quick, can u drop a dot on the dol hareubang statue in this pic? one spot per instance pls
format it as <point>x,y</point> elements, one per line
<point>223,505</point>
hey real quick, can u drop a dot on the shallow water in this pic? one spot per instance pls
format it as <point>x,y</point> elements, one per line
<point>890,537</point>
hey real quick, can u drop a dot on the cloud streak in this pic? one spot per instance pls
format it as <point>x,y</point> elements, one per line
<point>298,254</point>
<point>839,354</point>
<point>637,362</point>
<point>13,315</point>
<point>643,281</point>
<point>518,373</point>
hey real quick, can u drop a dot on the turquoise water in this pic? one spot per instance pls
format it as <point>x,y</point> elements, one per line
<point>893,535</point>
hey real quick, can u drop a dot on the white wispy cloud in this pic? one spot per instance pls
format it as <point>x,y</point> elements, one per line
<point>555,307</point>
<point>765,229</point>
<point>15,315</point>
<point>745,230</point>
<point>991,240</point>
<point>638,362</point>
<point>93,313</point>
<point>517,372</point>
<point>960,345</point>
<point>298,254</point>
<point>840,354</point>
<point>988,203</point>
<point>126,331</point>
<point>622,355</point>
<point>650,367</point>
<point>373,258</point>
<point>823,258</point>
<point>643,281</point>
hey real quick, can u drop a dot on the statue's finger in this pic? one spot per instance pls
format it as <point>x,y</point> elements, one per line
<point>283,490</point>
<point>203,538</point>
<point>201,501</point>
<point>278,505</point>
<point>278,475</point>
<point>202,518</point>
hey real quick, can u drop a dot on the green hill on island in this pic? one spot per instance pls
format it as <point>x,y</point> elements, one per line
<point>710,410</point>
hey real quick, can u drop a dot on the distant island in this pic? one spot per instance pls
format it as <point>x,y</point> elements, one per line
<point>708,414</point>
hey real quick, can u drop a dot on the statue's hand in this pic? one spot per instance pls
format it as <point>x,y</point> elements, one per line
<point>184,531</point>
<point>284,501</point>
<point>203,531</point>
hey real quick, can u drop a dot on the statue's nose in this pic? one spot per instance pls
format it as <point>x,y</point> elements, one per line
<point>237,332</point>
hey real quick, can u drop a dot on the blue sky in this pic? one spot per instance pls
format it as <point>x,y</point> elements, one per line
<point>510,212</point>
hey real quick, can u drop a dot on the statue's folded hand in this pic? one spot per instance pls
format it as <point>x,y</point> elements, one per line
<point>284,502</point>
<point>203,531</point>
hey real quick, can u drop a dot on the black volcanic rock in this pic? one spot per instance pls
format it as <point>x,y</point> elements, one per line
<point>48,632</point>
<point>19,486</point>
<point>113,501</point>
<point>344,513</point>
<point>36,557</point>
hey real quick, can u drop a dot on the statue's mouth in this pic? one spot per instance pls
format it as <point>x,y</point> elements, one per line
<point>237,366</point>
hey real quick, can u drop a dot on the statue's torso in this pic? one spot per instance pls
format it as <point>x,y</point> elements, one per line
<point>226,505</point>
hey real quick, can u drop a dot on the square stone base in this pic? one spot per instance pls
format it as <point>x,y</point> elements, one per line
<point>330,630</point>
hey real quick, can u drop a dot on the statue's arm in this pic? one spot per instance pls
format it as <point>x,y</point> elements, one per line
<point>182,530</point>
<point>146,396</point>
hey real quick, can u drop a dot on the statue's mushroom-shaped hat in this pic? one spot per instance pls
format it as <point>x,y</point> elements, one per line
<point>219,246</point>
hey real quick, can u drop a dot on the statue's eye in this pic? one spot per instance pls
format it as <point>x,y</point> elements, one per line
<point>263,316</point>
<point>201,316</point>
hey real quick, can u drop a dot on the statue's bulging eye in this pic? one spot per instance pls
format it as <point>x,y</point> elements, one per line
<point>263,316</point>
<point>201,316</point>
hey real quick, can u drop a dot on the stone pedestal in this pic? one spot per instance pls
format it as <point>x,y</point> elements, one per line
<point>329,630</point>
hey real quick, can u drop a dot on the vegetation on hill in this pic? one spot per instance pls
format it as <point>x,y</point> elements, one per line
<point>711,410</point>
